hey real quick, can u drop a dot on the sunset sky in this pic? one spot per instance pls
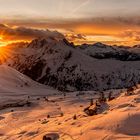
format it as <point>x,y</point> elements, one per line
<point>81,21</point>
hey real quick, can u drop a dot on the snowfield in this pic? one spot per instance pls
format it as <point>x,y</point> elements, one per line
<point>13,81</point>
<point>29,111</point>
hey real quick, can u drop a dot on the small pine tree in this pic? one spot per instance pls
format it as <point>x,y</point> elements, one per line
<point>62,114</point>
<point>97,104</point>
<point>46,99</point>
<point>91,102</point>
<point>109,96</point>
<point>102,98</point>
<point>28,103</point>
<point>64,94</point>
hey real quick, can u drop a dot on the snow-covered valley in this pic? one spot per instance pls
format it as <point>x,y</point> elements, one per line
<point>61,115</point>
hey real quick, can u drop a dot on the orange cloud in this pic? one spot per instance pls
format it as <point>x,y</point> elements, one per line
<point>131,34</point>
<point>84,30</point>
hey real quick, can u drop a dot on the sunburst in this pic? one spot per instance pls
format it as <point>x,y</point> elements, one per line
<point>4,54</point>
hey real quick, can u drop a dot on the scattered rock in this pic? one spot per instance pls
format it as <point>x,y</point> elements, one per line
<point>51,136</point>
<point>74,117</point>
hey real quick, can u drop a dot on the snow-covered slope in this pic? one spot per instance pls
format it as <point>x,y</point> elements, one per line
<point>10,77</point>
<point>59,64</point>
<point>14,82</point>
<point>92,49</point>
<point>120,122</point>
<point>64,117</point>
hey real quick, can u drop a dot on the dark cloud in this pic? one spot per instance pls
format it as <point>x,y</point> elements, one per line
<point>23,33</point>
<point>70,24</point>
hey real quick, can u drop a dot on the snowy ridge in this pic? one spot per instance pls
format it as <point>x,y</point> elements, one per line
<point>102,51</point>
<point>59,64</point>
<point>12,78</point>
<point>13,81</point>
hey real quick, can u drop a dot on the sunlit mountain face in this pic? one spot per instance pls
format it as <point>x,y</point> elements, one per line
<point>80,21</point>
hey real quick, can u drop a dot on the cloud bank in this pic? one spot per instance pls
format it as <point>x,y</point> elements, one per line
<point>23,33</point>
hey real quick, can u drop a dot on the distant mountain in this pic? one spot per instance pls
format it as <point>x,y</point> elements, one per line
<point>135,49</point>
<point>136,46</point>
<point>102,51</point>
<point>62,65</point>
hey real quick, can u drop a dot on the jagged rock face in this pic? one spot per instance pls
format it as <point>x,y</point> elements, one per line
<point>59,64</point>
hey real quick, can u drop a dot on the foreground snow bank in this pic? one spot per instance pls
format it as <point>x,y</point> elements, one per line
<point>119,121</point>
